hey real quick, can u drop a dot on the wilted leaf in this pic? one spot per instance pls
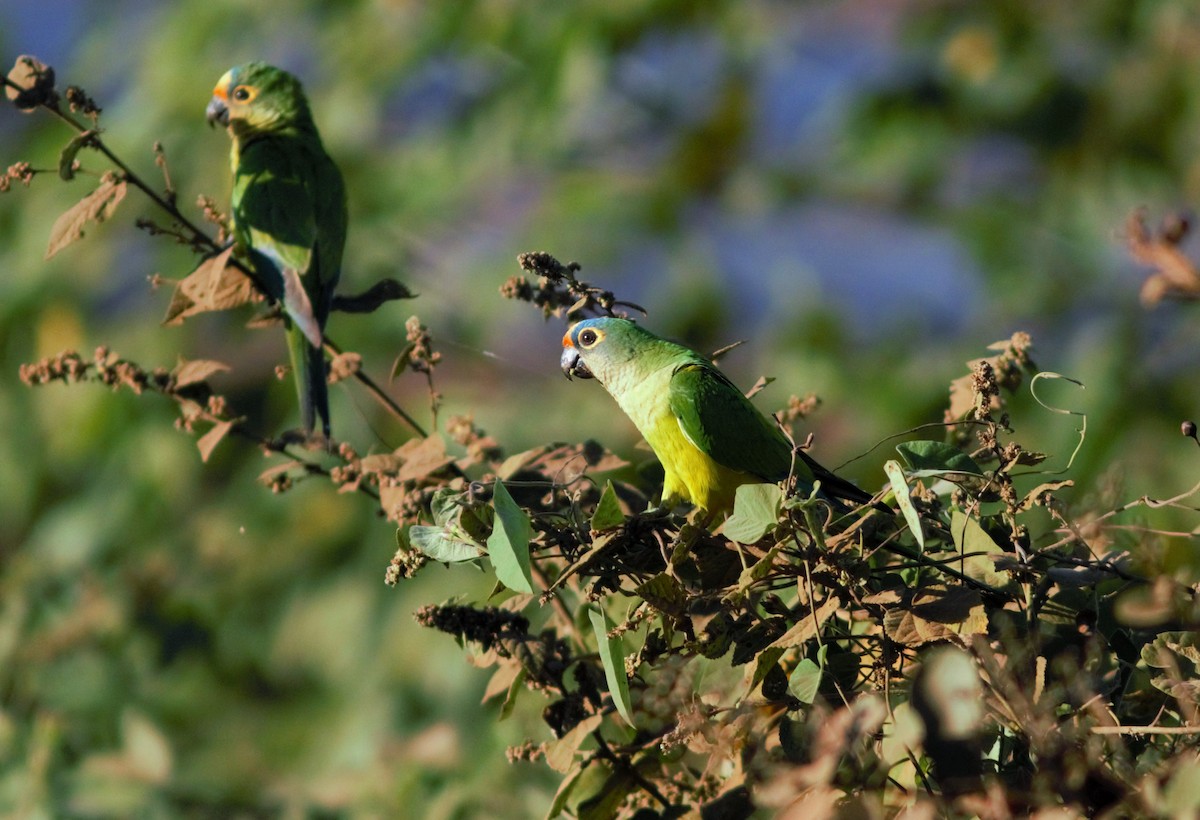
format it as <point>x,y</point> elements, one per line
<point>208,442</point>
<point>422,456</point>
<point>807,627</point>
<point>97,206</point>
<point>1178,655</point>
<point>188,372</point>
<point>613,660</point>
<point>215,284</point>
<point>508,545</point>
<point>608,513</point>
<point>934,614</point>
<point>904,499</point>
<point>755,512</point>
<point>1038,493</point>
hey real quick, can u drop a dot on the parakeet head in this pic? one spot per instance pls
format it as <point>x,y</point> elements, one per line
<point>595,348</point>
<point>257,97</point>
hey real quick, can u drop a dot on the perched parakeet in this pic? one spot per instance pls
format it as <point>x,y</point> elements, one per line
<point>708,436</point>
<point>289,212</point>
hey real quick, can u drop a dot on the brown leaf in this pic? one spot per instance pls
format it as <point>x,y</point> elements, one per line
<point>380,463</point>
<point>197,370</point>
<point>97,206</point>
<point>269,475</point>
<point>808,626</point>
<point>422,457</point>
<point>209,440</point>
<point>215,284</point>
<point>934,614</point>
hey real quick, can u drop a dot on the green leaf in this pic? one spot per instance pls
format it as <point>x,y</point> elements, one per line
<point>764,663</point>
<point>904,500</point>
<point>970,539</point>
<point>613,659</point>
<point>805,680</point>
<point>755,512</point>
<point>929,458</point>
<point>510,699</point>
<point>608,513</point>
<point>66,159</point>
<point>508,545</point>
<point>440,545</point>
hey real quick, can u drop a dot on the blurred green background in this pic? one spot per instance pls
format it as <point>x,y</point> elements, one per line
<point>868,193</point>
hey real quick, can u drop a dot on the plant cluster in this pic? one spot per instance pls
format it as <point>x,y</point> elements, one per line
<point>981,647</point>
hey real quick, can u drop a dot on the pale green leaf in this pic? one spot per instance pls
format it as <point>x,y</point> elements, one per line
<point>508,545</point>
<point>755,512</point>
<point>440,545</point>
<point>613,659</point>
<point>900,487</point>
<point>608,513</point>
<point>805,680</point>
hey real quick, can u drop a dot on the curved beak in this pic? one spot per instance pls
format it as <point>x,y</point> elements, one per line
<point>572,364</point>
<point>217,111</point>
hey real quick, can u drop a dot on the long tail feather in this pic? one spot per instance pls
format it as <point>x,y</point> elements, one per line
<point>309,370</point>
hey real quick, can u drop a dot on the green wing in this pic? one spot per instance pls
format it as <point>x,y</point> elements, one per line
<point>721,421</point>
<point>289,210</point>
<point>717,418</point>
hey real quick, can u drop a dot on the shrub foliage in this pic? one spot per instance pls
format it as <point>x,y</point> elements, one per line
<point>980,647</point>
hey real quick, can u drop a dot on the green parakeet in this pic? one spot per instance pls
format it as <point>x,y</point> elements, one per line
<point>289,212</point>
<point>708,436</point>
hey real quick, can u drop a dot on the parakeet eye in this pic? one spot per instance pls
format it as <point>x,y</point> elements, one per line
<point>243,93</point>
<point>589,337</point>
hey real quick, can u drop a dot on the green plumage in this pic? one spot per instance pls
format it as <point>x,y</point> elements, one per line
<point>709,437</point>
<point>289,213</point>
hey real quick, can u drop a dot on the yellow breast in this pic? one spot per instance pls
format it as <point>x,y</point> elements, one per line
<point>691,475</point>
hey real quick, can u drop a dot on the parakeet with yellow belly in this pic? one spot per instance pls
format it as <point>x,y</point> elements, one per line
<point>707,434</point>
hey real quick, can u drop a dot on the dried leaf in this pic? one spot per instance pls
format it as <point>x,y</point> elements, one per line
<point>207,442</point>
<point>196,370</point>
<point>97,206</point>
<point>807,627</point>
<point>215,284</point>
<point>422,456</point>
